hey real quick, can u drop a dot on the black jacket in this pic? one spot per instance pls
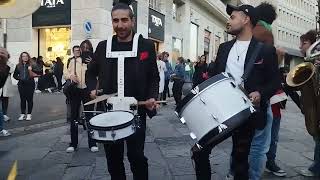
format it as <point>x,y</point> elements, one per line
<point>263,78</point>
<point>141,74</point>
<point>21,73</point>
<point>199,69</point>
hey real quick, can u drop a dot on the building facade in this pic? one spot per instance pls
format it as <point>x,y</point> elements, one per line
<point>187,28</point>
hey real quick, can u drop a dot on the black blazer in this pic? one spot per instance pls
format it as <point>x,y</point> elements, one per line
<point>263,78</point>
<point>141,73</point>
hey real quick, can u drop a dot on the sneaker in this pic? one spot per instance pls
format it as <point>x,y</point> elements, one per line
<point>29,117</point>
<point>6,118</point>
<point>70,149</point>
<point>4,133</point>
<point>272,167</point>
<point>306,173</point>
<point>94,149</point>
<point>22,117</point>
<point>37,91</point>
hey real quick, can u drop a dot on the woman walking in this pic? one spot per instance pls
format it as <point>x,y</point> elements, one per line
<point>162,69</point>
<point>26,85</point>
<point>7,91</point>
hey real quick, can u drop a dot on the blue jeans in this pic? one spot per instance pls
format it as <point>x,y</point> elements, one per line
<point>315,167</point>
<point>271,155</point>
<point>259,148</point>
<point>1,117</point>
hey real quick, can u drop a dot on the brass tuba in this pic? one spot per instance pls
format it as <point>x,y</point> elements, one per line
<point>305,77</point>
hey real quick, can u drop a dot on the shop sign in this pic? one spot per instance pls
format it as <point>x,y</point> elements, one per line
<point>52,13</point>
<point>51,3</point>
<point>156,25</point>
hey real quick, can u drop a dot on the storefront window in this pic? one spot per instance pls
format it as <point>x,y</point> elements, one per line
<point>193,42</point>
<point>207,36</point>
<point>176,49</point>
<point>55,42</point>
<point>217,41</point>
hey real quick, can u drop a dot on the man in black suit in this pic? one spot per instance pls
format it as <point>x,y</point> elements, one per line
<point>233,57</point>
<point>141,80</point>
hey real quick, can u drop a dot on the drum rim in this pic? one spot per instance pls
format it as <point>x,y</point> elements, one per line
<point>241,117</point>
<point>110,128</point>
<point>202,87</point>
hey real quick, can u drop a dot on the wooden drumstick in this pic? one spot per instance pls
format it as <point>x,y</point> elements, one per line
<point>141,103</point>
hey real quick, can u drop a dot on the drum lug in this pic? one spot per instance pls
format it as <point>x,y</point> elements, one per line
<point>252,109</point>
<point>193,136</point>
<point>244,100</point>
<point>113,134</point>
<point>183,121</point>
<point>91,133</point>
<point>233,85</point>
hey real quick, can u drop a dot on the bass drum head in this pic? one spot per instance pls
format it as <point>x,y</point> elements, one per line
<point>193,92</point>
<point>112,118</point>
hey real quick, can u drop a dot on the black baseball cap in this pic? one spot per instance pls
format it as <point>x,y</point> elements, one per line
<point>247,9</point>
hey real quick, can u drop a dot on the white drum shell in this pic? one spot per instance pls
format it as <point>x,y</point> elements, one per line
<point>222,100</point>
<point>109,120</point>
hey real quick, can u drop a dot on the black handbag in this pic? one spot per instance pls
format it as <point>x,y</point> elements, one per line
<point>69,86</point>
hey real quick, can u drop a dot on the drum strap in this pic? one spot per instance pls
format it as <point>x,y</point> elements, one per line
<point>251,62</point>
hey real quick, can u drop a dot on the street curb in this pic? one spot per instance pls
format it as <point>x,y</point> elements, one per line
<point>36,126</point>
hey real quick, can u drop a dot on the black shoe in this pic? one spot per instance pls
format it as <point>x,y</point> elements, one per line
<point>272,167</point>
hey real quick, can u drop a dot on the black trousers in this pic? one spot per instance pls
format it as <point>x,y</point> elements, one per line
<point>241,139</point>
<point>78,96</point>
<point>135,153</point>
<point>166,89</point>
<point>5,105</point>
<point>59,81</point>
<point>26,91</point>
<point>177,90</point>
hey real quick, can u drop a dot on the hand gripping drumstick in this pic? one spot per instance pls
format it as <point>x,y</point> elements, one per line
<point>141,103</point>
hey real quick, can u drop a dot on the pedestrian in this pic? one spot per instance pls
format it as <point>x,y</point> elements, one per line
<point>7,91</point>
<point>162,69</point>
<point>4,73</point>
<point>141,81</point>
<point>188,69</point>
<point>167,75</point>
<point>76,72</point>
<point>211,68</point>
<point>26,85</point>
<point>200,71</point>
<point>260,85</point>
<point>265,138</point>
<point>178,80</point>
<point>58,72</point>
<point>306,40</point>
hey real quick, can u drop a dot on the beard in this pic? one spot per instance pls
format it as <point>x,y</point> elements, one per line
<point>234,32</point>
<point>123,33</point>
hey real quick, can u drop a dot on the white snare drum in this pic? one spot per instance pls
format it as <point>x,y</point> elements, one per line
<point>213,109</point>
<point>113,125</point>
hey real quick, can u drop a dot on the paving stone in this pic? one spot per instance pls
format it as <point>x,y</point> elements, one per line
<point>291,158</point>
<point>53,173</point>
<point>78,173</point>
<point>172,147</point>
<point>58,157</point>
<point>83,157</point>
<point>158,131</point>
<point>181,166</point>
<point>26,154</point>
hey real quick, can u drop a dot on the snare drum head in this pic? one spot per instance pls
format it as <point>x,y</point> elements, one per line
<point>110,119</point>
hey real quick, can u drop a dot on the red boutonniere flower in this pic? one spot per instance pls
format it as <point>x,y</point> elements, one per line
<point>144,55</point>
